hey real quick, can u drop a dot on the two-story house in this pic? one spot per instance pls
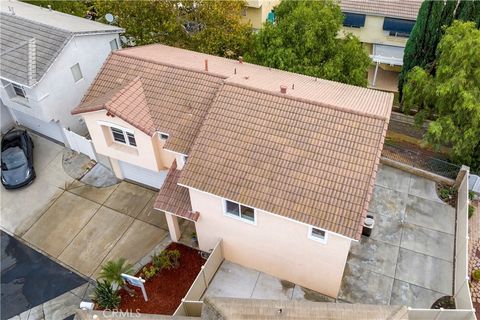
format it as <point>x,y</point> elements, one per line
<point>48,60</point>
<point>280,166</point>
<point>383,26</point>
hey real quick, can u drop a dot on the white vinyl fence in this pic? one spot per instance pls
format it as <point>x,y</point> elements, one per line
<point>80,144</point>
<point>461,277</point>
<point>191,304</point>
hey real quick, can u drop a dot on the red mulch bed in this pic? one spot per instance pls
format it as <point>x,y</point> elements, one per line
<point>167,288</point>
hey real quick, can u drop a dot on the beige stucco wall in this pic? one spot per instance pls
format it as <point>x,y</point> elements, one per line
<point>148,153</point>
<point>274,245</point>
<point>373,32</point>
<point>257,11</point>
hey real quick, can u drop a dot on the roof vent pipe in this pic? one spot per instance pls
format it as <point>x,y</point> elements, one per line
<point>283,89</point>
<point>240,59</point>
<point>206,65</point>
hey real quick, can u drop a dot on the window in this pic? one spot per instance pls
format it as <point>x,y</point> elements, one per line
<point>131,139</point>
<point>318,235</point>
<point>163,136</point>
<point>240,211</point>
<point>354,20</point>
<point>114,45</point>
<point>398,27</point>
<point>76,72</point>
<point>18,90</point>
<point>123,137</point>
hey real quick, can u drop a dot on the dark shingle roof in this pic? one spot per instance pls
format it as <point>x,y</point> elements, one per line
<point>14,54</point>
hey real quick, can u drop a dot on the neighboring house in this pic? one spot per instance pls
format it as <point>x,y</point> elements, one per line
<point>259,11</point>
<point>383,26</point>
<point>280,166</point>
<point>48,60</point>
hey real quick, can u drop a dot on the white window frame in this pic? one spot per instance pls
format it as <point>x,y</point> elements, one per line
<point>21,88</point>
<point>116,45</point>
<point>239,217</point>
<point>125,136</point>
<point>315,238</point>
<point>73,74</point>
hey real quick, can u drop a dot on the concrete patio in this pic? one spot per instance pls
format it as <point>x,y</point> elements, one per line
<point>235,281</point>
<point>408,260</point>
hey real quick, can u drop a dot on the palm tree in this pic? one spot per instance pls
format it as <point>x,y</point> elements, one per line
<point>112,272</point>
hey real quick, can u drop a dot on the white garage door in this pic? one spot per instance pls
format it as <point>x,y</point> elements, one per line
<point>142,175</point>
<point>50,129</point>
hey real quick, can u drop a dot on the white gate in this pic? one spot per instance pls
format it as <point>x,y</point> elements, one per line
<point>80,144</point>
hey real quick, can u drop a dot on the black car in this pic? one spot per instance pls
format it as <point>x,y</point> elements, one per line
<point>17,159</point>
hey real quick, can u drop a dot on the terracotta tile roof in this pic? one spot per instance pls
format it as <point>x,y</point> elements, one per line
<point>153,97</point>
<point>310,154</point>
<point>173,198</point>
<point>340,95</point>
<point>404,9</point>
<point>302,160</point>
<point>128,103</point>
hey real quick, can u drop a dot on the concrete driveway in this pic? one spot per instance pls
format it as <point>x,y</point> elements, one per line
<point>79,225</point>
<point>408,260</point>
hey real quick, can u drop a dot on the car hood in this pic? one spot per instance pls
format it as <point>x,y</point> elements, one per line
<point>16,176</point>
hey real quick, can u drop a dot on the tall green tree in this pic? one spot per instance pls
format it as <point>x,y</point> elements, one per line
<point>213,27</point>
<point>432,20</point>
<point>221,31</point>
<point>468,11</point>
<point>304,40</point>
<point>76,8</point>
<point>452,94</point>
<point>421,45</point>
<point>146,22</point>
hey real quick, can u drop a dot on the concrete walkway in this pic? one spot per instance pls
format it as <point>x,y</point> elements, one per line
<point>235,281</point>
<point>78,225</point>
<point>408,260</point>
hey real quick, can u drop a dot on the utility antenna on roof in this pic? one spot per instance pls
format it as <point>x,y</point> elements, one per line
<point>11,10</point>
<point>110,18</point>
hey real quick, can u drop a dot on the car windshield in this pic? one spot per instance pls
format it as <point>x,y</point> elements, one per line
<point>13,158</point>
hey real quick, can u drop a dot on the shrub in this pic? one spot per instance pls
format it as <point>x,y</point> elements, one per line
<point>149,273</point>
<point>476,275</point>
<point>167,259</point>
<point>112,270</point>
<point>105,296</point>
<point>446,193</point>
<point>174,256</point>
<point>471,210</point>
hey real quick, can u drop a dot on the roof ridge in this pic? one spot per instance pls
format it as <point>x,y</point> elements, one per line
<point>123,89</point>
<point>166,64</point>
<point>317,103</point>
<point>36,22</point>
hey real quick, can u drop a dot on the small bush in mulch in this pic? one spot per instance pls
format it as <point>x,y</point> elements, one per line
<point>167,287</point>
<point>446,302</point>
